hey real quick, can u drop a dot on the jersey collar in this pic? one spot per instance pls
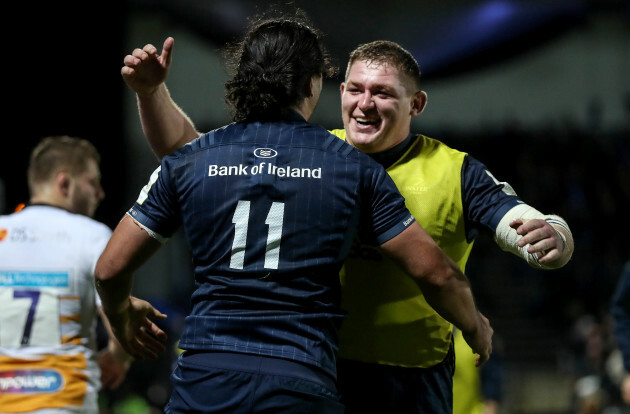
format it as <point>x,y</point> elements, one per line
<point>390,156</point>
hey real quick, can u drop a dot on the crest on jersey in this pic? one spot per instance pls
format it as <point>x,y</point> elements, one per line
<point>265,153</point>
<point>3,234</point>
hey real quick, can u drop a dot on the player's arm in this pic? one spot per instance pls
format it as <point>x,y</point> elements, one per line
<point>544,241</point>
<point>113,361</point>
<point>130,318</point>
<point>444,286</point>
<point>165,125</point>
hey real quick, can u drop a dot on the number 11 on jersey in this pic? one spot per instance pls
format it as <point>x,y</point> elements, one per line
<point>274,220</point>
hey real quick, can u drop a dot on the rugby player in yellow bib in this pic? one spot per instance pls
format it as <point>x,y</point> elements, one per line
<point>396,352</point>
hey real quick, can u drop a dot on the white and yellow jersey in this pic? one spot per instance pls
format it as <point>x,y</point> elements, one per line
<point>48,311</point>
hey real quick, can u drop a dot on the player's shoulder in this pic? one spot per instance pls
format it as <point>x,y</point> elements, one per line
<point>348,154</point>
<point>96,225</point>
<point>55,219</point>
<point>439,145</point>
<point>339,133</point>
<point>86,225</point>
<point>205,140</point>
<point>338,140</point>
<point>192,146</point>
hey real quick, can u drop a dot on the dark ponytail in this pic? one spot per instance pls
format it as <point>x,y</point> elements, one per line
<point>273,66</point>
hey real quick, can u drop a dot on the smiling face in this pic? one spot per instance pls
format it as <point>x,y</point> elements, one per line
<point>377,104</point>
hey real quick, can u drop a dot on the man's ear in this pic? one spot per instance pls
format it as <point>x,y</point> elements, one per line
<point>418,103</point>
<point>63,183</point>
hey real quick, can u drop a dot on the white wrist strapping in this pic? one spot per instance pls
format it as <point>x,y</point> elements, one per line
<point>507,239</point>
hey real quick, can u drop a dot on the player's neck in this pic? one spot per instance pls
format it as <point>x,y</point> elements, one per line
<point>51,199</point>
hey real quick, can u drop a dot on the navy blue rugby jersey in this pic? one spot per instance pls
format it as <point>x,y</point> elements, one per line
<point>270,211</point>
<point>485,200</point>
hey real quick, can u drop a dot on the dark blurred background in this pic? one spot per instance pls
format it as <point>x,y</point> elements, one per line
<point>537,90</point>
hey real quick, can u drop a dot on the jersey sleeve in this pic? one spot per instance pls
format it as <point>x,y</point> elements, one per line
<point>387,215</point>
<point>485,199</point>
<point>156,208</point>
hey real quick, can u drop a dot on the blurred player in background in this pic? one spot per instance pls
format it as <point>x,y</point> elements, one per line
<point>270,205</point>
<point>49,307</point>
<point>396,352</point>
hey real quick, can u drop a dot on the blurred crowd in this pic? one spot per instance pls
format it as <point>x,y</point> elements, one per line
<point>582,174</point>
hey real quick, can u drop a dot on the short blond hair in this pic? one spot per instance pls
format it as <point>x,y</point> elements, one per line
<point>55,154</point>
<point>385,52</point>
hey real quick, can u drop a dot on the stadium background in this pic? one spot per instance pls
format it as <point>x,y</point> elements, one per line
<point>538,90</point>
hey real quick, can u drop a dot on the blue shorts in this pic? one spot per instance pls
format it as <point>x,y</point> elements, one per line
<point>225,382</point>
<point>376,388</point>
